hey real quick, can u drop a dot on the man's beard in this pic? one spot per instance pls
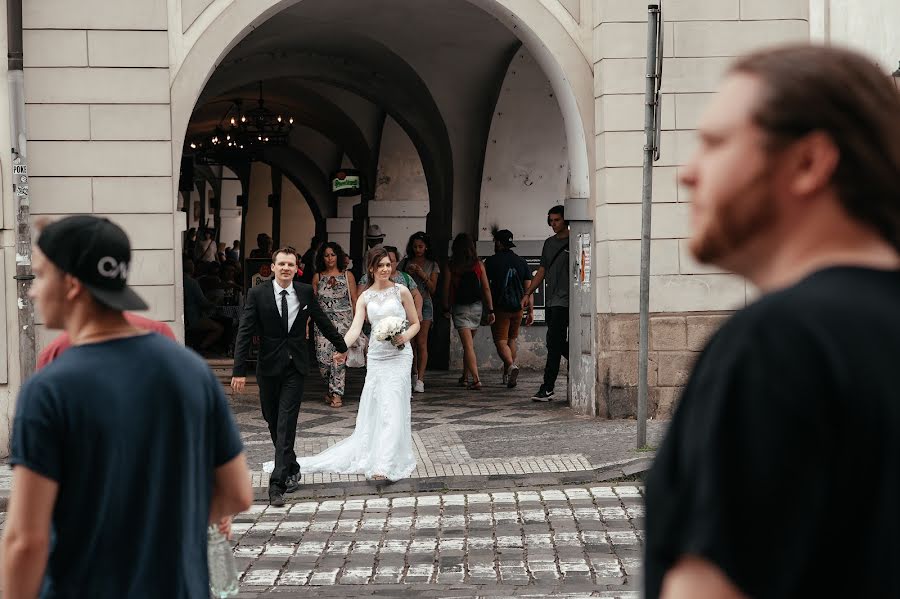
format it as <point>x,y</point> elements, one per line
<point>736,222</point>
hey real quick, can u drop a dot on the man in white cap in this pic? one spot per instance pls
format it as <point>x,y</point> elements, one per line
<point>374,237</point>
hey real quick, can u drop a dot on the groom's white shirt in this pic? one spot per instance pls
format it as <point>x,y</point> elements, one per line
<point>293,301</point>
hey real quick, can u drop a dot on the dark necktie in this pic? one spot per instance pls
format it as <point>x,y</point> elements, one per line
<point>284,310</point>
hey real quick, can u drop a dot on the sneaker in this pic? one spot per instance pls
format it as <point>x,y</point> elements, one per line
<point>505,374</point>
<point>276,499</point>
<point>543,395</point>
<point>513,376</point>
<point>420,387</point>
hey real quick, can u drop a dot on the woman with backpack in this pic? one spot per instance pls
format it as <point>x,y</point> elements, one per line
<point>466,295</point>
<point>421,266</point>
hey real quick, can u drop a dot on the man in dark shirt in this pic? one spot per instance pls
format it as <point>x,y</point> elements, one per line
<point>796,186</point>
<point>509,276</point>
<point>308,261</point>
<point>124,448</point>
<point>554,268</point>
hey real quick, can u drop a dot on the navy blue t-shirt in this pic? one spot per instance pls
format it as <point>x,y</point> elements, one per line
<point>132,430</point>
<point>497,266</point>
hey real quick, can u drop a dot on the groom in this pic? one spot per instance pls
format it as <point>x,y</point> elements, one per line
<point>277,312</point>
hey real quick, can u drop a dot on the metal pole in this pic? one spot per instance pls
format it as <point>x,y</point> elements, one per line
<point>23,276</point>
<point>650,113</point>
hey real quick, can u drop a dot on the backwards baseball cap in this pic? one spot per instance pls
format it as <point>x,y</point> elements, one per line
<point>97,253</point>
<point>505,237</point>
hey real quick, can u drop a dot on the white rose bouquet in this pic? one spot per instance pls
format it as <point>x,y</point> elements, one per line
<point>388,328</point>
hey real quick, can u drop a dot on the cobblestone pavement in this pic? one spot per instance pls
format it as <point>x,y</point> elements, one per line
<point>583,541</point>
<point>494,432</point>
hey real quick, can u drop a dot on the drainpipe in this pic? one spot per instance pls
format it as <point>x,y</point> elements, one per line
<point>23,276</point>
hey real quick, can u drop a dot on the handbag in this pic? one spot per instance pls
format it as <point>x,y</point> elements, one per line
<point>356,353</point>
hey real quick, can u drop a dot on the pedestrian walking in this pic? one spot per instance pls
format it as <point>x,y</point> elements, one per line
<point>467,294</point>
<point>63,341</point>
<point>123,449</point>
<point>207,250</point>
<point>509,276</point>
<point>335,288</point>
<point>554,268</point>
<point>420,264</point>
<point>795,186</point>
<point>308,263</point>
<point>278,313</point>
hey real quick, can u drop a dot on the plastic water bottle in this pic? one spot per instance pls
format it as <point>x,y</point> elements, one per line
<point>223,576</point>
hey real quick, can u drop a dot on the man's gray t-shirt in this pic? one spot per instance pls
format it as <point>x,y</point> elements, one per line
<point>556,274</point>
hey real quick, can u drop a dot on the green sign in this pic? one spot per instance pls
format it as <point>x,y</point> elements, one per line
<point>345,183</point>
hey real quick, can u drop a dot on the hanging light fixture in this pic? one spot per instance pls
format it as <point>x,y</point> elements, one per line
<point>243,130</point>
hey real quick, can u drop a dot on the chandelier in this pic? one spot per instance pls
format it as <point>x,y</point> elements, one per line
<point>243,130</point>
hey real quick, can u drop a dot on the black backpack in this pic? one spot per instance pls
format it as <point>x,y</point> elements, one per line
<point>510,293</point>
<point>468,287</point>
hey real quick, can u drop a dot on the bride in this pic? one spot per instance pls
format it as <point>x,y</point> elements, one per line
<point>381,445</point>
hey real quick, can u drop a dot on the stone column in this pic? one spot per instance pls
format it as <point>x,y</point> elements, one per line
<point>687,300</point>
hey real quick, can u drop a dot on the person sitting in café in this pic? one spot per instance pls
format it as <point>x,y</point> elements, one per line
<point>201,331</point>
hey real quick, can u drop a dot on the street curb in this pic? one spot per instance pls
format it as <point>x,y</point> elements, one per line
<point>622,472</point>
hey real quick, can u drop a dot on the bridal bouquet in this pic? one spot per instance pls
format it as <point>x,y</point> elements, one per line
<point>389,327</point>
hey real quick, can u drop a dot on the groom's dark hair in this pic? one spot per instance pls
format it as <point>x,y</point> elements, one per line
<point>375,255</point>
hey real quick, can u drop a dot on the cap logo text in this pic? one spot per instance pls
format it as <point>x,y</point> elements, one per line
<point>111,268</point>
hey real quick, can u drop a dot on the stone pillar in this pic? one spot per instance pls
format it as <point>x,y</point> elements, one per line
<point>687,300</point>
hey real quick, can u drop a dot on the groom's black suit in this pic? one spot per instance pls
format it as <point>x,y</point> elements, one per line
<point>282,364</point>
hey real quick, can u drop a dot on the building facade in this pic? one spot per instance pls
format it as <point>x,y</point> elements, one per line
<point>459,115</point>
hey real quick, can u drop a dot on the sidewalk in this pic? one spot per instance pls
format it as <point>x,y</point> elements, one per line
<point>463,440</point>
<point>497,432</point>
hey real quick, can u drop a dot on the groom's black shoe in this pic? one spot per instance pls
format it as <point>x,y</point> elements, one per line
<point>276,499</point>
<point>292,484</point>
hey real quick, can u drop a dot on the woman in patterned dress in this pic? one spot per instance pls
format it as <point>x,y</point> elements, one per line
<point>335,288</point>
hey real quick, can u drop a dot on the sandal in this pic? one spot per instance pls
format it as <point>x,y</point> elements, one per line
<point>336,401</point>
<point>379,477</point>
<point>462,382</point>
<point>475,386</point>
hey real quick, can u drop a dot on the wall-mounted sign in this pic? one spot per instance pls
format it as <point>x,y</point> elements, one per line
<point>583,268</point>
<point>346,182</point>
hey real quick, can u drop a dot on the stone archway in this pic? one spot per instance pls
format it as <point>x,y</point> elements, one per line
<point>567,68</point>
<point>534,25</point>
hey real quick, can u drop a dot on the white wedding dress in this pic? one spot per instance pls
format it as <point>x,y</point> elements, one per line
<point>382,440</point>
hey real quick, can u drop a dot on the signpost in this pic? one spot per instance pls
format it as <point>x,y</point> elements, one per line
<point>651,154</point>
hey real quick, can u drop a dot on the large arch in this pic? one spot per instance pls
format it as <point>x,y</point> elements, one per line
<point>559,55</point>
<point>416,111</point>
<point>315,112</point>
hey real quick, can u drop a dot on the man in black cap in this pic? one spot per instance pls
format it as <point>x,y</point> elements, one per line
<point>509,276</point>
<point>124,448</point>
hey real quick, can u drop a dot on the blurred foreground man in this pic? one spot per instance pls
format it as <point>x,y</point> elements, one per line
<point>124,447</point>
<point>780,474</point>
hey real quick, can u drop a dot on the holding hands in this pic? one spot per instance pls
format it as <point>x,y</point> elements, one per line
<point>339,358</point>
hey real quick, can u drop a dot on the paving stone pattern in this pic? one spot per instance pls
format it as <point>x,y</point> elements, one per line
<point>493,432</point>
<point>575,541</point>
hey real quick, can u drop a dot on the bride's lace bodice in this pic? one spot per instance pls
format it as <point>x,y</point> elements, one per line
<point>381,443</point>
<point>384,303</point>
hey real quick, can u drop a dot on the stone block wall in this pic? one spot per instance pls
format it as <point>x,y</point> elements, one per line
<point>688,301</point>
<point>676,339</point>
<point>99,129</point>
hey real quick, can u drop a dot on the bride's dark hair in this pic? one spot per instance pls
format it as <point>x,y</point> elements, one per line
<point>375,255</point>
